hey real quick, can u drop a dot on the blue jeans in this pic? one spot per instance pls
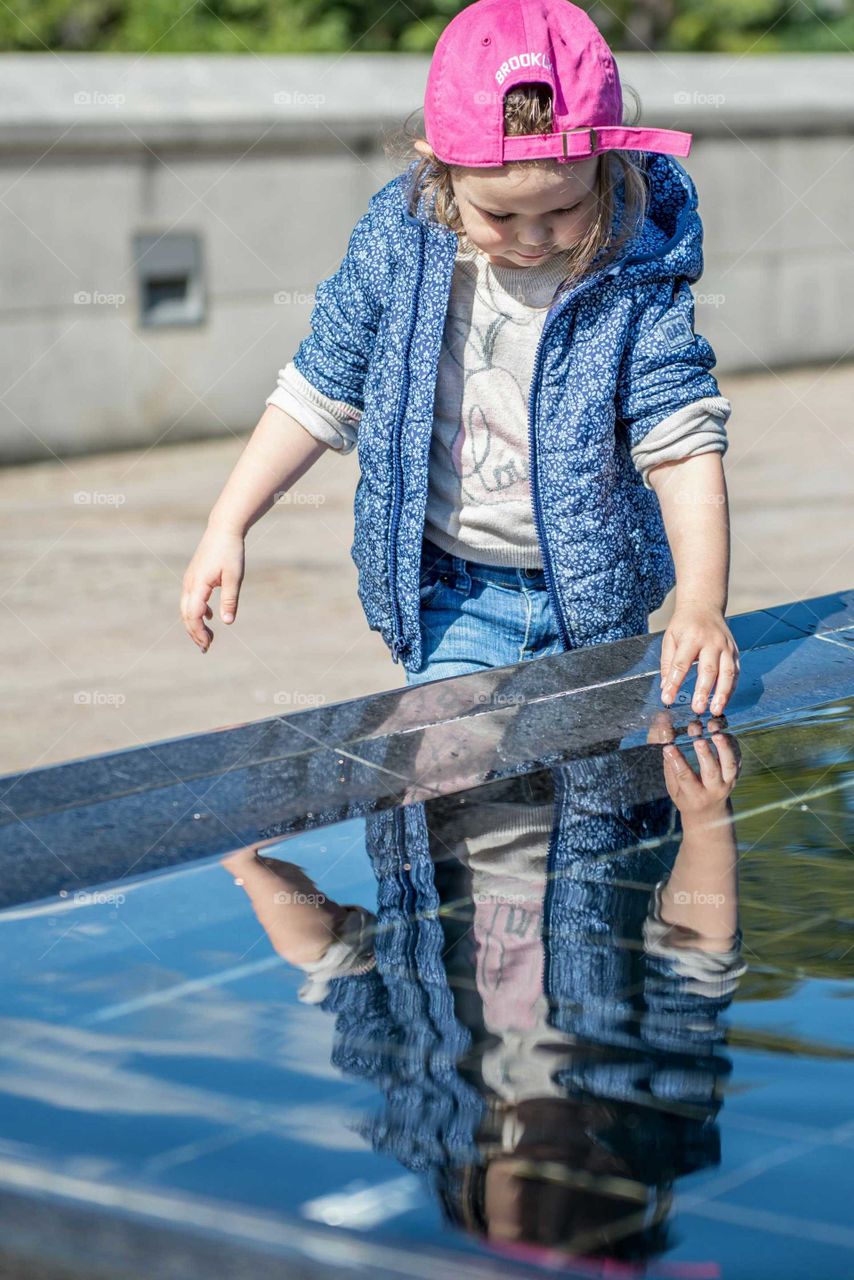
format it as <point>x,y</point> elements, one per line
<point>474,616</point>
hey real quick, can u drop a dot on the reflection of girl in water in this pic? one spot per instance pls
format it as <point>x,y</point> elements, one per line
<point>535,997</point>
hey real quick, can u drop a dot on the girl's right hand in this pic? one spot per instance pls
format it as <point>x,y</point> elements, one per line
<point>218,561</point>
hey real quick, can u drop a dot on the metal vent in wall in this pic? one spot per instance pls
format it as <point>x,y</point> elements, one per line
<point>169,273</point>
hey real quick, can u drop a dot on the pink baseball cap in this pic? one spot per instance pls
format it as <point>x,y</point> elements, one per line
<point>492,45</point>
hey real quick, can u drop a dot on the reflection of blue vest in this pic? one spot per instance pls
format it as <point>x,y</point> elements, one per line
<point>397,1024</point>
<point>617,355</point>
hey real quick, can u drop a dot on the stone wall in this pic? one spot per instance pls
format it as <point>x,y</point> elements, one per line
<point>264,164</point>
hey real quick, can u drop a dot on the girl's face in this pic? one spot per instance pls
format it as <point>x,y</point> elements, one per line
<point>518,215</point>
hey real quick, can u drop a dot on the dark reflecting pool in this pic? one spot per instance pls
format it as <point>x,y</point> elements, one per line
<point>595,1011</point>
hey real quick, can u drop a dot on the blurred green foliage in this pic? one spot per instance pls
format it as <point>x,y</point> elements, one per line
<point>363,26</point>
<point>795,890</point>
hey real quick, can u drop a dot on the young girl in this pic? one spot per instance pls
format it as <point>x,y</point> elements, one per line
<point>509,343</point>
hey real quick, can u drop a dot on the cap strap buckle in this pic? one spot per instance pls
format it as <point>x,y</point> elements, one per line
<point>581,129</point>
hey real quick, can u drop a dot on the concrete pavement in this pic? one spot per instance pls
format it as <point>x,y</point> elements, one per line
<point>94,655</point>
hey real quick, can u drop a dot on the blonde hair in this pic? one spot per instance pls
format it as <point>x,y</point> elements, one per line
<point>527,110</point>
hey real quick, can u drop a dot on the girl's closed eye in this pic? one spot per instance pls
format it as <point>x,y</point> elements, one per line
<point>504,217</point>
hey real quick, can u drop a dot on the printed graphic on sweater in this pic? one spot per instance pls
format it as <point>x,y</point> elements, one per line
<point>481,425</point>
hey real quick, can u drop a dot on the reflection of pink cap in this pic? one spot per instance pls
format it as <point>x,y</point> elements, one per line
<point>492,45</point>
<point>601,1267</point>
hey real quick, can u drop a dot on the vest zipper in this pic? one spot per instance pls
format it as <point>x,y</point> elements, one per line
<point>399,644</point>
<point>563,628</point>
<point>546,977</point>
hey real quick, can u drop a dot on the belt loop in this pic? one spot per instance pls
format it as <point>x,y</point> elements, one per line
<point>463,575</point>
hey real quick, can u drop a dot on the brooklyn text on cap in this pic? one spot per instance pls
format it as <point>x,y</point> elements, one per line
<point>493,45</point>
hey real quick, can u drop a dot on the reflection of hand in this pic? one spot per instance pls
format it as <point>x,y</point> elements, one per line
<point>701,894</point>
<point>299,920</point>
<point>249,862</point>
<point>662,728</point>
<point>239,859</point>
<point>719,770</point>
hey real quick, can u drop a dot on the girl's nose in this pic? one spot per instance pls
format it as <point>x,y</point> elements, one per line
<point>536,238</point>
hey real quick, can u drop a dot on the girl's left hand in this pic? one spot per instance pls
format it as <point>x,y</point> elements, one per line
<point>700,632</point>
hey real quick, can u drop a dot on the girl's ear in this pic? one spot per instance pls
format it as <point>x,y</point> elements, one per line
<point>422,146</point>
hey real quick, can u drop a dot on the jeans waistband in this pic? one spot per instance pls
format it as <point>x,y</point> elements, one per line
<point>506,575</point>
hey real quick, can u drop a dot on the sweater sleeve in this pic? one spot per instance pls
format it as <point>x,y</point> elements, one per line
<point>697,428</point>
<point>333,421</point>
<point>349,953</point>
<point>712,974</point>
